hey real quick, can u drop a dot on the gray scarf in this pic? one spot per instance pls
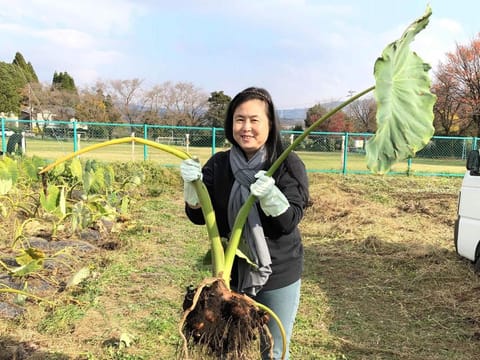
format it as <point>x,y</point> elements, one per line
<point>253,244</point>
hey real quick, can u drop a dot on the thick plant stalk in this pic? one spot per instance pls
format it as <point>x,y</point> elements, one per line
<point>280,325</point>
<point>174,151</point>
<point>218,254</point>
<point>24,293</point>
<point>245,209</point>
<point>218,257</point>
<point>404,101</point>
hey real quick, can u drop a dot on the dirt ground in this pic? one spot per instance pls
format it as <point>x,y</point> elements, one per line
<point>382,280</point>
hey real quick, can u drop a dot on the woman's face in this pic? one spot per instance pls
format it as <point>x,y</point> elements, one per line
<point>251,126</point>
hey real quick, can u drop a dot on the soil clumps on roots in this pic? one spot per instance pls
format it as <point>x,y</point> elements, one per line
<point>223,323</point>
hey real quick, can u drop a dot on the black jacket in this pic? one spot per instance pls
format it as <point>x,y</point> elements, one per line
<point>283,236</point>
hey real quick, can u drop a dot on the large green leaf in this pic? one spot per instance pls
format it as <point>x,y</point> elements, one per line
<point>50,201</point>
<point>8,169</point>
<point>76,169</point>
<point>27,255</point>
<point>30,260</point>
<point>12,167</point>
<point>5,186</point>
<point>404,102</point>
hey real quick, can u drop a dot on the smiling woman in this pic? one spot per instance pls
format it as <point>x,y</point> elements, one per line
<point>251,126</point>
<point>271,268</point>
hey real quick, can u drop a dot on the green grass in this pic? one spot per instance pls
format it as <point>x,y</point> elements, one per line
<point>315,161</point>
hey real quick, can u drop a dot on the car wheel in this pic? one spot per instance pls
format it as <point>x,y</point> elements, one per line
<point>476,266</point>
<point>476,263</point>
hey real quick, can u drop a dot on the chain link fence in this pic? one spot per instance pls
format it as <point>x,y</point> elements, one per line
<point>321,151</point>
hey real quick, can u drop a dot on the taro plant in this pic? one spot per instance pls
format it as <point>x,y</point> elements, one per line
<point>404,118</point>
<point>18,196</point>
<point>224,322</point>
<point>29,261</point>
<point>86,193</point>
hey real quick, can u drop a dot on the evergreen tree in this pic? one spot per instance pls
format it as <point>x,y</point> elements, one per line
<point>217,107</point>
<point>19,60</point>
<point>313,114</point>
<point>26,69</point>
<point>63,81</point>
<point>10,88</point>
<point>31,72</point>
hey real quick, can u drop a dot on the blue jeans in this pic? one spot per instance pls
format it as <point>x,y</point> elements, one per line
<point>284,302</point>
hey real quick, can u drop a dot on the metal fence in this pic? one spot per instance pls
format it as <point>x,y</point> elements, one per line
<point>321,151</point>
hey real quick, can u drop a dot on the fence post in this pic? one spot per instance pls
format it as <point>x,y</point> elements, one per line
<point>344,154</point>
<point>145,148</point>
<point>75,144</point>
<point>23,143</point>
<point>4,138</point>
<point>133,146</point>
<point>214,139</point>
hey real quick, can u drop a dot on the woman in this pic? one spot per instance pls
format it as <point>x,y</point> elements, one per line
<point>270,236</point>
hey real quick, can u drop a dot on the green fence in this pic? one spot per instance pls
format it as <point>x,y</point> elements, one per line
<point>321,151</point>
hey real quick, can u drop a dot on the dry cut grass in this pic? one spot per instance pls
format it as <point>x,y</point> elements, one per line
<point>382,279</point>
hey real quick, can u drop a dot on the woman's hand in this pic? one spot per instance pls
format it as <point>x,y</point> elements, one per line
<point>272,201</point>
<point>190,171</point>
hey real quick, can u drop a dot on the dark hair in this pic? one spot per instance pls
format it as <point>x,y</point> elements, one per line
<point>273,144</point>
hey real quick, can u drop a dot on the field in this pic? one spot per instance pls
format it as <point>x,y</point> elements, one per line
<point>315,161</point>
<point>381,280</point>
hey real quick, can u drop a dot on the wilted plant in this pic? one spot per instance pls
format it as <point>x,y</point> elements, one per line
<point>29,261</point>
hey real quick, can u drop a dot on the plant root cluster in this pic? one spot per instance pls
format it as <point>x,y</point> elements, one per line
<point>223,323</point>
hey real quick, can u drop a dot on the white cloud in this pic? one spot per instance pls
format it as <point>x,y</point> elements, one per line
<point>79,37</point>
<point>307,51</point>
<point>114,16</point>
<point>439,38</point>
<point>67,38</point>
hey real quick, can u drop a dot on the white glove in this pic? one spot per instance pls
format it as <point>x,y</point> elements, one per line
<point>272,200</point>
<point>191,171</point>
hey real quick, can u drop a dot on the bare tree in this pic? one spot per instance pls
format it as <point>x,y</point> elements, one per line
<point>176,103</point>
<point>128,96</point>
<point>192,100</point>
<point>362,112</point>
<point>155,105</point>
<point>62,103</point>
<point>185,103</point>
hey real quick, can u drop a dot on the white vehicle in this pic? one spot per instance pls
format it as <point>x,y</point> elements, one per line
<point>467,225</point>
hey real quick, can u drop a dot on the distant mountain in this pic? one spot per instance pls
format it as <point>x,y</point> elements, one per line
<point>292,117</point>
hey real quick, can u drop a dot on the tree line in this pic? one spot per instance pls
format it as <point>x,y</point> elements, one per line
<point>111,101</point>
<point>456,82</point>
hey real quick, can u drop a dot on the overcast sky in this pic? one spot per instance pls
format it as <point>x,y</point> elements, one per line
<point>302,51</point>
